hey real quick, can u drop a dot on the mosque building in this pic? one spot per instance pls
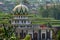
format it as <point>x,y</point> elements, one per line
<point>28,23</point>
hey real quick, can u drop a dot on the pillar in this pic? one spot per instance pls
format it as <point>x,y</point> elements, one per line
<point>33,35</point>
<point>39,34</point>
<point>48,34</point>
<point>51,35</point>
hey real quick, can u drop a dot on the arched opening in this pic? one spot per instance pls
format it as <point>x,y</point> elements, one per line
<point>22,34</point>
<point>35,36</point>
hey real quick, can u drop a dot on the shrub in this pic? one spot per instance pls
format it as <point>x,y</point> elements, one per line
<point>27,37</point>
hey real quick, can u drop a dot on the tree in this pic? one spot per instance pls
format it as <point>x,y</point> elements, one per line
<point>56,12</point>
<point>58,34</point>
<point>27,37</point>
<point>49,25</point>
<point>25,2</point>
<point>53,12</point>
<point>8,29</point>
<point>17,2</point>
<point>1,33</point>
<point>43,12</point>
<point>13,37</point>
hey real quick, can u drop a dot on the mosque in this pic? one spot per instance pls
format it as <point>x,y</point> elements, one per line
<point>29,23</point>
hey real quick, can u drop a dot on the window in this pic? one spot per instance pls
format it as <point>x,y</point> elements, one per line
<point>48,35</point>
<point>43,36</point>
<point>23,17</point>
<point>28,21</point>
<point>22,26</point>
<point>16,21</point>
<point>19,16</point>
<point>24,21</point>
<point>29,26</point>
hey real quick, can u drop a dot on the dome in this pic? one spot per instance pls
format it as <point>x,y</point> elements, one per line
<point>20,9</point>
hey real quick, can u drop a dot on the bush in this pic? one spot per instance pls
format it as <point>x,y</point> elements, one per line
<point>27,37</point>
<point>58,35</point>
<point>13,37</point>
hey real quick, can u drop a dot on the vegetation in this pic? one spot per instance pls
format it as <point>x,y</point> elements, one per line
<point>6,29</point>
<point>25,2</point>
<point>50,14</point>
<point>27,37</point>
<point>13,37</point>
<point>59,35</point>
<point>50,11</point>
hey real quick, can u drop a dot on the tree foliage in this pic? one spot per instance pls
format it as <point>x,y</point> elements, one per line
<point>27,37</point>
<point>58,35</point>
<point>50,12</point>
<point>26,2</point>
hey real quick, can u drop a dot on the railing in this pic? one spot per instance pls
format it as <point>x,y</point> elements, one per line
<point>20,18</point>
<point>20,23</point>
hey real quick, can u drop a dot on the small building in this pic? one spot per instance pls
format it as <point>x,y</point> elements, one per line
<point>27,23</point>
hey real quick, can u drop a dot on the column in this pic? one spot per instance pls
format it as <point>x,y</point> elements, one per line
<point>48,34</point>
<point>39,34</point>
<point>33,34</point>
<point>51,35</point>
